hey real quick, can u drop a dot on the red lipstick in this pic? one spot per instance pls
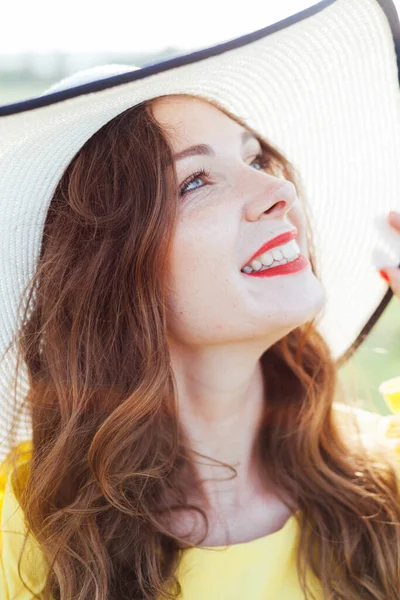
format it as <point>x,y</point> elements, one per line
<point>283,238</point>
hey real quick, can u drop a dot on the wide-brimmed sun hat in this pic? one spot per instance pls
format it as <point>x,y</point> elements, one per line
<point>322,86</point>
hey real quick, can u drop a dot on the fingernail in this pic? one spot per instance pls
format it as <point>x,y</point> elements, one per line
<point>383,274</point>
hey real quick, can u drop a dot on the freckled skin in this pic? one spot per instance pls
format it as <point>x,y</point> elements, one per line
<point>221,321</point>
<point>220,226</point>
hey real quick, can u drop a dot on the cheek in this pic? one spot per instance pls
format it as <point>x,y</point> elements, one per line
<point>200,250</point>
<point>200,304</point>
<point>201,296</point>
<point>195,278</point>
<point>297,218</point>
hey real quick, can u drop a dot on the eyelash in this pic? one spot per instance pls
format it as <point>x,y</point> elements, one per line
<point>262,158</point>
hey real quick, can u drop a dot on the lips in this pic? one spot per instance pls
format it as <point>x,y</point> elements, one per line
<point>283,238</point>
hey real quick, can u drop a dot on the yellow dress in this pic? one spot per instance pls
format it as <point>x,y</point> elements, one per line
<point>264,568</point>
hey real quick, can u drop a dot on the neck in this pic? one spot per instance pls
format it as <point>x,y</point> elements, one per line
<point>221,403</point>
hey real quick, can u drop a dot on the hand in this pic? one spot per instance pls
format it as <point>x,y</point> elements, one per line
<point>393,273</point>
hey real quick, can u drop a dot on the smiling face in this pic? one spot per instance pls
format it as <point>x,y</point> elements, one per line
<point>228,208</point>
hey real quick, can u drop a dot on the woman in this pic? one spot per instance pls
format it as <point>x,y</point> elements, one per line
<point>182,402</point>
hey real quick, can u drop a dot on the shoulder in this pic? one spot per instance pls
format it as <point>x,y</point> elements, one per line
<point>15,541</point>
<point>368,421</point>
<point>13,475</point>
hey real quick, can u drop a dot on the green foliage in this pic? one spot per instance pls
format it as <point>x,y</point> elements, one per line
<point>377,359</point>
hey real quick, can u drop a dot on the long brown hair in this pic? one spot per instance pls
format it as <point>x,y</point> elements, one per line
<point>110,463</point>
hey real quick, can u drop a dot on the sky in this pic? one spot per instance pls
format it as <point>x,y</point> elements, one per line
<point>134,25</point>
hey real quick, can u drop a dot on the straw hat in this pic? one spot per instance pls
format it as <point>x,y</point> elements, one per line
<point>321,85</point>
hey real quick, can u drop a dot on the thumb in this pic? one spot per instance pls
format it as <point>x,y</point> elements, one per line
<point>393,274</point>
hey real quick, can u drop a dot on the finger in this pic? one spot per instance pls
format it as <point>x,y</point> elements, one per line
<point>394,219</point>
<point>394,279</point>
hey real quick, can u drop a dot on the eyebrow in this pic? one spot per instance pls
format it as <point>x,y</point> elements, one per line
<point>205,150</point>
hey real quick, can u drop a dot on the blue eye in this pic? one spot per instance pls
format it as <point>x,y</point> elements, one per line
<point>262,160</point>
<point>185,187</point>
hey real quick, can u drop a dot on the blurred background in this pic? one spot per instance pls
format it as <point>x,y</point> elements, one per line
<point>41,42</point>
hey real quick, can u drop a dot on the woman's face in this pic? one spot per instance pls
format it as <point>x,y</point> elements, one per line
<point>224,217</point>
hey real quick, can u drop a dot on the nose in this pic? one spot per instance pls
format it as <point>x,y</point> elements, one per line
<point>272,196</point>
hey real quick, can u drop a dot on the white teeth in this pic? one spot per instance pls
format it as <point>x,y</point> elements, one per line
<point>277,254</point>
<point>286,253</point>
<point>256,265</point>
<point>290,250</point>
<point>267,259</point>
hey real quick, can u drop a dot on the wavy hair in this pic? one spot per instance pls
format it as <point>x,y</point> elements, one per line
<point>110,463</point>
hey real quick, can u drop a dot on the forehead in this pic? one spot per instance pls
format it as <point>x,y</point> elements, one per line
<point>189,118</point>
